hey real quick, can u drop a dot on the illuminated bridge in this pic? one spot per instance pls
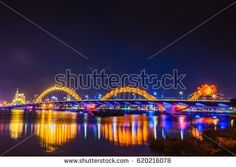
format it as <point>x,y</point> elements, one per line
<point>206,99</point>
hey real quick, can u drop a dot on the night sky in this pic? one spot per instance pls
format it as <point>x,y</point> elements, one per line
<point>118,36</point>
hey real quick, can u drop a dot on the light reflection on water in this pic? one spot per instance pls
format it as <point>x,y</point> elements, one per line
<point>16,124</point>
<point>55,129</point>
<point>53,133</point>
<point>125,131</point>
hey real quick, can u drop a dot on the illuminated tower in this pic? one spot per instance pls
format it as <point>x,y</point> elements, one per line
<point>19,98</point>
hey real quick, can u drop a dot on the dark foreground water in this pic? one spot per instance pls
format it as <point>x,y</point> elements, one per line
<point>68,133</point>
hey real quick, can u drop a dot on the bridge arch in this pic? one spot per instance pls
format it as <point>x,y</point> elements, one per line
<point>58,88</point>
<point>119,90</point>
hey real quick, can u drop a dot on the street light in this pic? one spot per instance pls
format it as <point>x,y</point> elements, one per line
<point>181,94</point>
<point>162,94</point>
<point>214,96</point>
<point>86,96</point>
<point>99,96</point>
<point>155,94</point>
<point>54,98</point>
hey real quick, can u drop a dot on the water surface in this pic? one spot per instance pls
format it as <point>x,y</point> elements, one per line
<point>70,133</point>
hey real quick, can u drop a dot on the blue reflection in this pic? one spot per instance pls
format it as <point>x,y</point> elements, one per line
<point>223,105</point>
<point>224,123</point>
<point>200,127</point>
<point>200,104</point>
<point>150,113</point>
<point>85,130</point>
<point>95,131</point>
<point>165,123</point>
<point>163,133</point>
<point>182,134</point>
<point>167,105</point>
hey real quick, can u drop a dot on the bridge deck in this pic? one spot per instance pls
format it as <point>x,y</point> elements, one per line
<point>132,101</point>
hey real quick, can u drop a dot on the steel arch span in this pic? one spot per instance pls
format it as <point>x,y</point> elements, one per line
<point>60,89</point>
<point>119,90</point>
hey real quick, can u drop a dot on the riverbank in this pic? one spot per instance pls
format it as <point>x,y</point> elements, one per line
<point>214,143</point>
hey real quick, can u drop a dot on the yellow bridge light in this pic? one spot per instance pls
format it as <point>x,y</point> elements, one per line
<point>58,88</point>
<point>138,91</point>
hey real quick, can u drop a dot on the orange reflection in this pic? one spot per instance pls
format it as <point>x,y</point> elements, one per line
<point>16,124</point>
<point>126,132</point>
<point>210,121</point>
<point>213,121</point>
<point>54,129</point>
<point>197,134</point>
